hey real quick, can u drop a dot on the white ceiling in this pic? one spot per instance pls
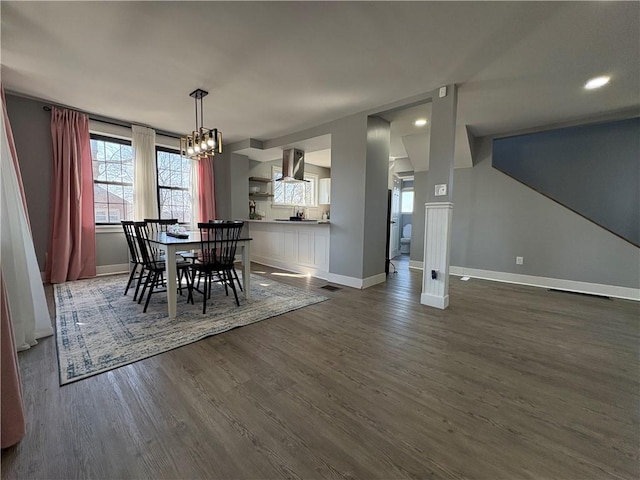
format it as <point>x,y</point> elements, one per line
<point>277,68</point>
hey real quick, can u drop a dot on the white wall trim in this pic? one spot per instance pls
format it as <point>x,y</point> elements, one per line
<point>416,265</point>
<point>112,269</point>
<point>434,301</point>
<point>359,283</point>
<point>374,280</point>
<point>344,280</point>
<point>547,282</point>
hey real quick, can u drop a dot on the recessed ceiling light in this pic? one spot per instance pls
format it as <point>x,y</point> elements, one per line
<point>597,82</point>
<point>421,122</point>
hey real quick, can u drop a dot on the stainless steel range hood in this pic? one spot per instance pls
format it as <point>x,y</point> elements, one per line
<point>292,166</point>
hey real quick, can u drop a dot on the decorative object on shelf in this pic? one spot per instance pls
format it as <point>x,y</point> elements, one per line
<point>177,231</point>
<point>202,142</point>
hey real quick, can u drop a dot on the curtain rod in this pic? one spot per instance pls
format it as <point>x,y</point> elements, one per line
<point>117,123</point>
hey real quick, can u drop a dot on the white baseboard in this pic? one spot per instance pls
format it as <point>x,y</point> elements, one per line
<point>112,269</point>
<point>374,280</point>
<point>434,301</point>
<point>546,282</point>
<point>354,282</point>
<point>416,265</point>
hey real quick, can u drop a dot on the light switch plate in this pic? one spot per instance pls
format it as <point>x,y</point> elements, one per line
<point>443,92</point>
<point>441,190</point>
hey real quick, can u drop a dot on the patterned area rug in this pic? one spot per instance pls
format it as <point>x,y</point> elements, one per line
<point>99,329</point>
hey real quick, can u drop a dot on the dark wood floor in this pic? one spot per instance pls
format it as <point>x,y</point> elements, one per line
<point>510,382</point>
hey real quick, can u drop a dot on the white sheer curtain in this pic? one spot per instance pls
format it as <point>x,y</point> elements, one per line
<point>25,292</point>
<point>145,182</point>
<point>195,208</point>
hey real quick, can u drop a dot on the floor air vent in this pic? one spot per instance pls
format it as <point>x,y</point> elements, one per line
<point>331,288</point>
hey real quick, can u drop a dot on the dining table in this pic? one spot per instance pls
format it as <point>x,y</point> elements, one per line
<point>171,245</point>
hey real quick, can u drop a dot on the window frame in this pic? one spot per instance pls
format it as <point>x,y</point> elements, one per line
<point>312,177</point>
<point>175,151</point>
<point>121,141</point>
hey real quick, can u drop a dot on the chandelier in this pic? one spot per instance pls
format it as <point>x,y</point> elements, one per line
<point>202,142</point>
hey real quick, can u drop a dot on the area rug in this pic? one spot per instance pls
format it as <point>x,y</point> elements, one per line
<point>99,329</point>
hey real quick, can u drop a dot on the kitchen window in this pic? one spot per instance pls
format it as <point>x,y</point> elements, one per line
<point>174,185</point>
<point>112,160</point>
<point>303,194</point>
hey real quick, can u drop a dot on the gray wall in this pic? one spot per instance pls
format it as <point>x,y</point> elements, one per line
<point>31,127</point>
<point>591,169</point>
<point>231,185</point>
<point>376,180</point>
<point>348,166</point>
<point>496,218</point>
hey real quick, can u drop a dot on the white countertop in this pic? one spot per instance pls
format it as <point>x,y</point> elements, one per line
<point>289,222</point>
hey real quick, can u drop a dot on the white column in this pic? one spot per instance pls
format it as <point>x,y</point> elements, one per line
<point>437,250</point>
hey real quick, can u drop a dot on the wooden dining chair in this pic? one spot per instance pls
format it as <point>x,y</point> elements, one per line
<point>156,266</point>
<point>218,244</point>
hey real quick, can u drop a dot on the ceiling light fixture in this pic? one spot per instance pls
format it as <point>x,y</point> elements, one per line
<point>421,122</point>
<point>597,82</point>
<point>202,142</point>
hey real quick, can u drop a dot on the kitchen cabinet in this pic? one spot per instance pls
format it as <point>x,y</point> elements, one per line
<point>294,246</point>
<point>324,191</point>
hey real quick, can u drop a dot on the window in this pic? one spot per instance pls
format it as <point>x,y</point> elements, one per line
<point>298,193</point>
<point>174,185</point>
<point>112,179</point>
<point>407,201</point>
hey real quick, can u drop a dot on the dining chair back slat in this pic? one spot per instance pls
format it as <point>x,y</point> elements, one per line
<point>218,245</point>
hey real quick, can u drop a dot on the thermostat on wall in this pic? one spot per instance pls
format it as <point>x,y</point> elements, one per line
<point>441,190</point>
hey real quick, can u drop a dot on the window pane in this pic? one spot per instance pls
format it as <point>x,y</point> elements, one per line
<point>112,167</point>
<point>174,171</point>
<point>407,201</point>
<point>99,171</point>
<point>126,151</point>
<point>112,152</point>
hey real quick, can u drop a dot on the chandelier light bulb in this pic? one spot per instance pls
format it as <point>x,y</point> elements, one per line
<point>210,142</point>
<point>197,148</point>
<point>190,150</point>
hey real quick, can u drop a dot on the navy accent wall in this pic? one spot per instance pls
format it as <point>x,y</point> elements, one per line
<point>593,170</point>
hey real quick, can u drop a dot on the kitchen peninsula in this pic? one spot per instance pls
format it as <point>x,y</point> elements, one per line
<point>297,246</point>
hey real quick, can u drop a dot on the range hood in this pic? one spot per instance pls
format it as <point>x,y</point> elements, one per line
<point>292,166</point>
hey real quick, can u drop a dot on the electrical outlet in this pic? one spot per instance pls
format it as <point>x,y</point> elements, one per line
<point>442,92</point>
<point>441,190</point>
<point>519,260</point>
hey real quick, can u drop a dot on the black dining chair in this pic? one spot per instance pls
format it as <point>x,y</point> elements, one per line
<point>218,244</point>
<point>135,258</point>
<point>156,266</point>
<point>233,270</point>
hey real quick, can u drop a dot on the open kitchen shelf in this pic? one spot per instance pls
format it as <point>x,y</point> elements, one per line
<point>260,194</point>
<point>260,179</point>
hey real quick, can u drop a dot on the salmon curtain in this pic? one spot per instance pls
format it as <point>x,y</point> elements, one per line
<point>206,197</point>
<point>72,246</point>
